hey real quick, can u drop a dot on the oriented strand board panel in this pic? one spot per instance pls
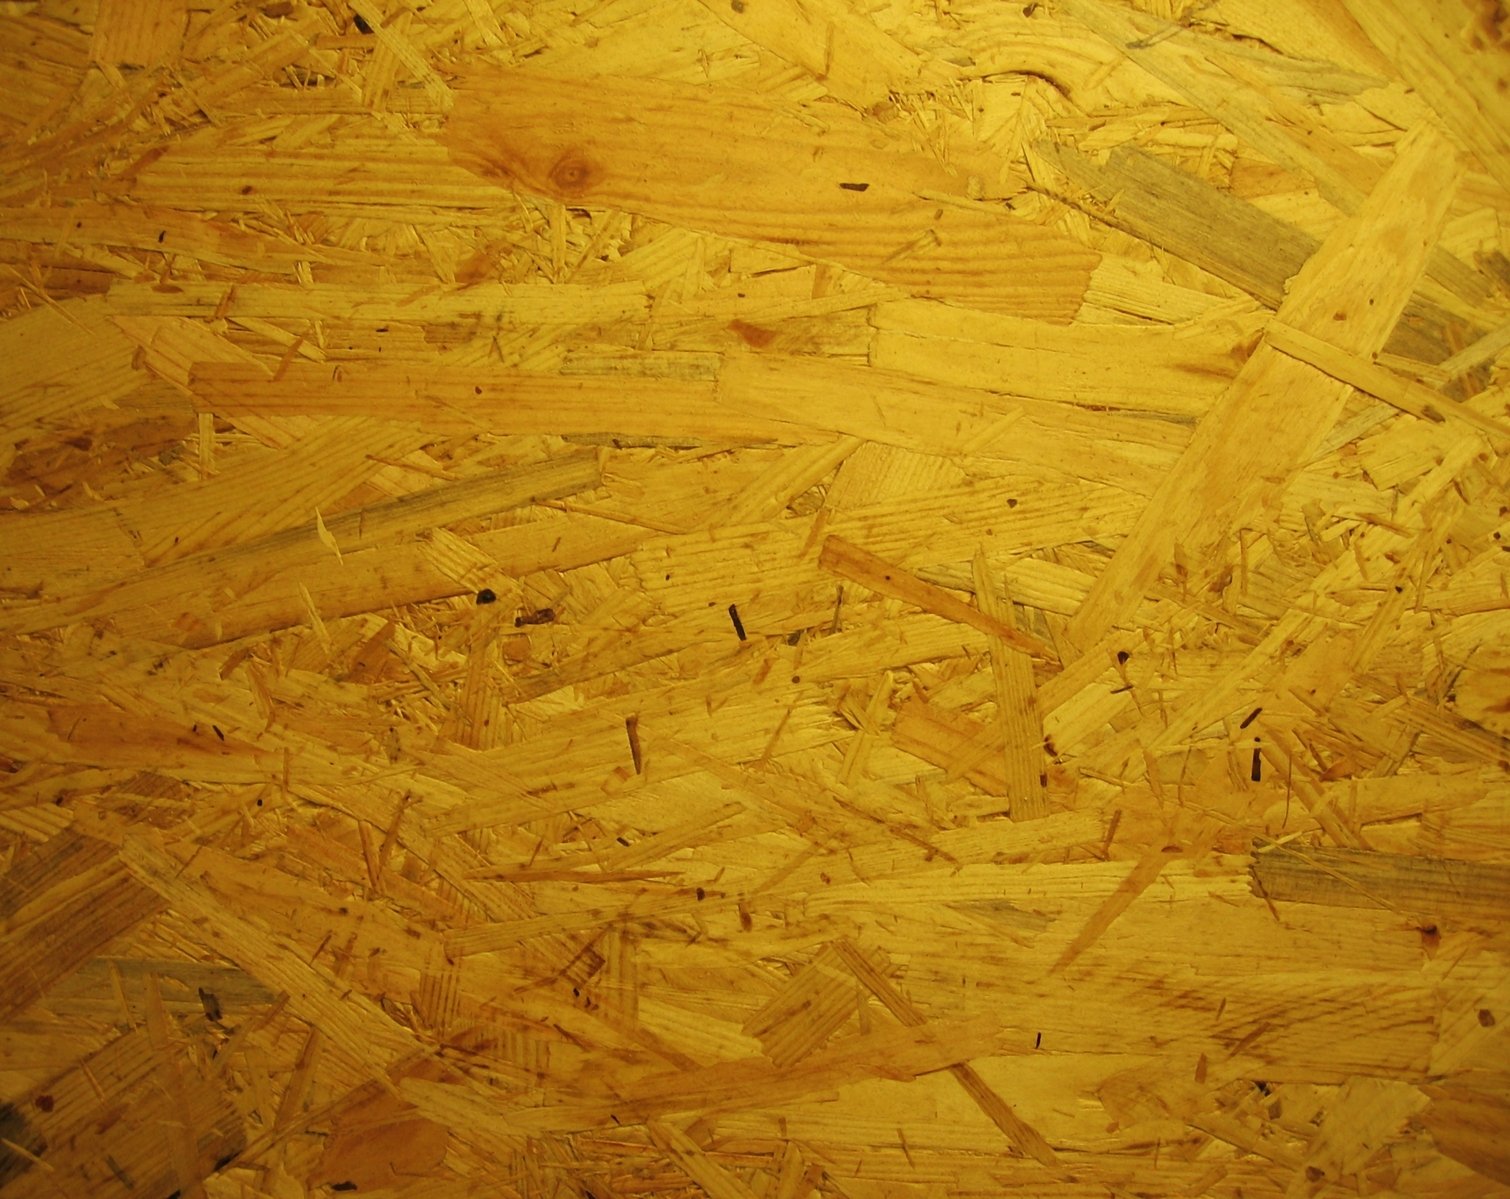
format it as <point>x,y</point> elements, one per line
<point>758,599</point>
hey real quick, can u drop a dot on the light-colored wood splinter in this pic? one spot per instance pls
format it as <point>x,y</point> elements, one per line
<point>849,561</point>
<point>1274,413</point>
<point>1016,705</point>
<point>1022,1135</point>
<point>1404,394</point>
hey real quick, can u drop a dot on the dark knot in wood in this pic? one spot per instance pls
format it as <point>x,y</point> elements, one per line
<point>573,174</point>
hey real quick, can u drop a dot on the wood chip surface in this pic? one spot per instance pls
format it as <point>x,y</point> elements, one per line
<point>758,599</point>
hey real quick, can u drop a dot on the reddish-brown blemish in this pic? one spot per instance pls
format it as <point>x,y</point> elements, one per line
<point>573,174</point>
<point>753,335</point>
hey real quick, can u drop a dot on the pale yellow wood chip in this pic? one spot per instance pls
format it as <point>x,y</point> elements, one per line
<point>1276,410</point>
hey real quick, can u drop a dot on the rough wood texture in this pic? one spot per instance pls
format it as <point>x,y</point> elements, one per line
<point>769,599</point>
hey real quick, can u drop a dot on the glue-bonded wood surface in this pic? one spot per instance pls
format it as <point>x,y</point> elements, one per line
<point>754,599</point>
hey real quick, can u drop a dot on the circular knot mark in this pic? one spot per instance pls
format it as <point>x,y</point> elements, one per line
<point>573,174</point>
